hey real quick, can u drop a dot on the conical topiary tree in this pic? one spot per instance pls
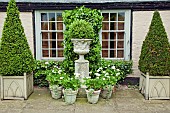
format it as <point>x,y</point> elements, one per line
<point>15,54</point>
<point>155,53</point>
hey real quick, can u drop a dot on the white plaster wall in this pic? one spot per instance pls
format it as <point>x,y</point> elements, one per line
<point>140,27</point>
<point>26,19</point>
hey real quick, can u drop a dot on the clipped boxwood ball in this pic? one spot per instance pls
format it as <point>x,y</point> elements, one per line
<point>81,29</point>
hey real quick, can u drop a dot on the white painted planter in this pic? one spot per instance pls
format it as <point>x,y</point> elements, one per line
<point>93,97</point>
<point>106,93</point>
<point>56,91</point>
<point>155,87</point>
<point>16,87</point>
<point>70,96</point>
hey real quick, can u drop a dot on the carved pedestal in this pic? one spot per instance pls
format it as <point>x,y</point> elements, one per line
<point>81,47</point>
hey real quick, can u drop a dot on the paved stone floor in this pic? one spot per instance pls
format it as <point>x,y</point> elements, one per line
<point>123,101</point>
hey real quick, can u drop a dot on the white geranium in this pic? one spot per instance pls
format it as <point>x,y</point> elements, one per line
<point>104,79</point>
<point>117,74</point>
<point>53,71</point>
<point>117,69</point>
<point>97,77</point>
<point>46,63</point>
<point>106,74</point>
<point>61,78</point>
<point>104,71</point>
<point>98,70</point>
<point>97,74</point>
<point>59,71</point>
<point>88,77</point>
<point>113,67</point>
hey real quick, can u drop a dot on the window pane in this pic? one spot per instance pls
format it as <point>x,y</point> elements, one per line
<point>113,25</point>
<point>51,25</point>
<point>60,35</point>
<point>105,26</point>
<point>51,16</point>
<point>44,35</point>
<point>43,16</point>
<point>120,35</point>
<point>59,25</point>
<point>113,16</point>
<point>120,54</point>
<point>44,25</point>
<point>104,44</point>
<point>44,44</point>
<point>112,35</point>
<point>105,16</point>
<point>52,44</point>
<point>112,53</point>
<point>120,44</point>
<point>104,53</point>
<point>112,44</point>
<point>120,25</point>
<point>45,53</point>
<point>59,17</point>
<point>105,35</point>
<point>52,35</point>
<point>52,53</point>
<point>60,53</point>
<point>121,16</point>
<point>59,44</point>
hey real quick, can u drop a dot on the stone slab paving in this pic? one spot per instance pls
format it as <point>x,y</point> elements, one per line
<point>122,101</point>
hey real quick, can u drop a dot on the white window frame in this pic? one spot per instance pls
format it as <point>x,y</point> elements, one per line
<point>39,41</point>
<point>127,24</point>
<point>38,35</point>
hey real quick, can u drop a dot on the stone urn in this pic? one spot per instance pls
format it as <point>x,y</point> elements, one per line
<point>81,47</point>
<point>93,96</point>
<point>70,96</point>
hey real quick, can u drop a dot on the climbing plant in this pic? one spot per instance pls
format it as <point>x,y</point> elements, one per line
<point>92,16</point>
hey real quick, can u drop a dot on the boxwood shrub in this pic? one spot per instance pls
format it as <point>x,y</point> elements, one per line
<point>155,53</point>
<point>15,54</point>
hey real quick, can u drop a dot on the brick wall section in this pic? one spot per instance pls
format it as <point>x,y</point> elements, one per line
<point>26,18</point>
<point>141,22</point>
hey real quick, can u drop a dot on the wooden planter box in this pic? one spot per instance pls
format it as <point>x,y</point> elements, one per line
<point>155,87</point>
<point>16,87</point>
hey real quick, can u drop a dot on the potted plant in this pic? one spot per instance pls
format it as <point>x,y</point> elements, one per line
<point>93,89</point>
<point>55,77</point>
<point>81,33</point>
<point>154,62</point>
<point>110,76</point>
<point>17,62</point>
<point>71,85</point>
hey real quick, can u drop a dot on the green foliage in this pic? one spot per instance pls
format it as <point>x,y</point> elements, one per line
<point>125,67</point>
<point>95,19</point>
<point>55,76</point>
<point>80,29</point>
<point>155,53</point>
<point>112,72</point>
<point>15,54</point>
<point>40,73</point>
<point>71,82</point>
<point>95,83</point>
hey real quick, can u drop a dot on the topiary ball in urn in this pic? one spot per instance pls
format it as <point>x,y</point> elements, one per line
<point>81,33</point>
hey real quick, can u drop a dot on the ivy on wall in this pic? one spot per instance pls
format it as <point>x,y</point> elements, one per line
<point>92,16</point>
